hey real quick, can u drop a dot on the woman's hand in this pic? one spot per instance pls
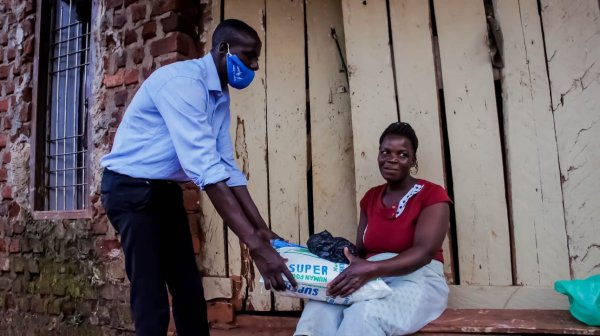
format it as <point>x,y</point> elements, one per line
<point>353,277</point>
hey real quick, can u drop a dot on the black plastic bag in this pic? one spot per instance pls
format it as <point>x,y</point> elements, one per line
<point>331,248</point>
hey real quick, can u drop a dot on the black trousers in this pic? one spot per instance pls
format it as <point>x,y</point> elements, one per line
<point>155,236</point>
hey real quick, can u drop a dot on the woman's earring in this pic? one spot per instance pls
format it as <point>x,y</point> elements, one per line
<point>414,169</point>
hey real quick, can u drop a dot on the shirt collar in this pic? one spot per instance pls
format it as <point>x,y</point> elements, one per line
<point>212,76</point>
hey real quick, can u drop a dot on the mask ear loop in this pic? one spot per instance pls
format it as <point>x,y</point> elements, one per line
<point>228,53</point>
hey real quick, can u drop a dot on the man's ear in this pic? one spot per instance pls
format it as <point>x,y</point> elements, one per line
<point>223,46</point>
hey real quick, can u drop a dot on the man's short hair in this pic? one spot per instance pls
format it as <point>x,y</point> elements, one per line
<point>230,31</point>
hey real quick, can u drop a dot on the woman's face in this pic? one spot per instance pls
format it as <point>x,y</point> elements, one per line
<point>396,157</point>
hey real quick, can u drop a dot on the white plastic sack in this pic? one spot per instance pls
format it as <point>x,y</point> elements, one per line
<point>313,274</point>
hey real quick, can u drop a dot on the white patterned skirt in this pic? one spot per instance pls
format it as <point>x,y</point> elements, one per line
<point>417,299</point>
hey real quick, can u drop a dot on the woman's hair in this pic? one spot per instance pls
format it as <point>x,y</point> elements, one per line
<point>401,129</point>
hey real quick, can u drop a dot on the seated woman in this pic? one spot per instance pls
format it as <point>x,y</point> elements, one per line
<point>402,226</point>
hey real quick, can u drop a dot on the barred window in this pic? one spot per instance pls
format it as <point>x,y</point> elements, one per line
<point>61,112</point>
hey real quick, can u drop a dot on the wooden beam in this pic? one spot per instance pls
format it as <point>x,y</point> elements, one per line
<point>286,126</point>
<point>417,91</point>
<point>474,138</point>
<point>331,122</point>
<point>540,240</point>
<point>573,49</point>
<point>372,93</point>
<point>505,297</point>
<point>249,134</point>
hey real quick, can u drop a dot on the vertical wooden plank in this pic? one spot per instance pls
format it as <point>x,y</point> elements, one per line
<point>331,122</point>
<point>212,259</point>
<point>474,139</point>
<point>372,94</point>
<point>249,133</point>
<point>540,240</point>
<point>572,34</point>
<point>212,20</point>
<point>286,125</point>
<point>417,90</point>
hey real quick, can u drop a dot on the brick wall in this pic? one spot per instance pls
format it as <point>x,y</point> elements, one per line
<point>66,277</point>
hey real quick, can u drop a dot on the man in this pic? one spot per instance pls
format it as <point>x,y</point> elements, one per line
<point>175,129</point>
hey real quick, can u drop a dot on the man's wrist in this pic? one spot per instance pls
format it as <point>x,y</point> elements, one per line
<point>254,241</point>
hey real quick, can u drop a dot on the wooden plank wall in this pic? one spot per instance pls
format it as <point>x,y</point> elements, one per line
<point>249,133</point>
<point>417,91</point>
<point>572,35</point>
<point>300,119</point>
<point>536,197</point>
<point>286,125</point>
<point>372,93</point>
<point>333,184</point>
<point>474,138</point>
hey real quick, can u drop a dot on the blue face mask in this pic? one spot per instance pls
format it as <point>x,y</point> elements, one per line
<point>238,74</point>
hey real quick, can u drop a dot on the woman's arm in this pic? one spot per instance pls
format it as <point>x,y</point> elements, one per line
<point>430,232</point>
<point>362,226</point>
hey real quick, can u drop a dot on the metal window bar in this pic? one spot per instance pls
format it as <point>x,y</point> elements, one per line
<point>65,142</point>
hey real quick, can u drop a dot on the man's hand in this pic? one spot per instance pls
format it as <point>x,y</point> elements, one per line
<point>267,234</point>
<point>271,265</point>
<point>352,278</point>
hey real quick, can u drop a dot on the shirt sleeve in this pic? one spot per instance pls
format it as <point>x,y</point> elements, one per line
<point>435,194</point>
<point>225,148</point>
<point>182,102</point>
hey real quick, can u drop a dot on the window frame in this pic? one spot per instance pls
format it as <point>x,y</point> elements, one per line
<point>40,88</point>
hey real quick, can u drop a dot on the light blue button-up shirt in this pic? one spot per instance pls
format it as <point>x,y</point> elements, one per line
<point>177,128</point>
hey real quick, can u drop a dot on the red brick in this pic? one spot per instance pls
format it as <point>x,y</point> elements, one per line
<point>3,105</point>
<point>6,122</point>
<point>113,3</point>
<point>26,94</point>
<point>178,22</point>
<point>29,7</point>
<point>100,225</point>
<point>11,54</point>
<point>15,246</point>
<point>4,264</point>
<point>220,312</point>
<point>3,174</point>
<point>163,6</point>
<point>132,76</point>
<point>3,38</point>
<point>6,157</point>
<point>27,26</point>
<point>172,58</point>
<point>174,42</point>
<point>120,59</point>
<point>119,20</point>
<point>28,47</point>
<point>25,113</point>
<point>9,302</point>
<point>3,140</point>
<point>13,210</point>
<point>129,2</point>
<point>149,30</point>
<point>120,98</point>
<point>138,12</point>
<point>4,71</point>
<point>6,192</point>
<point>146,72</point>
<point>11,18</point>
<point>25,129</point>
<point>3,245</point>
<point>130,36</point>
<point>18,228</point>
<point>39,305</point>
<point>115,80</point>
<point>9,87</point>
<point>103,246</point>
<point>137,55</point>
